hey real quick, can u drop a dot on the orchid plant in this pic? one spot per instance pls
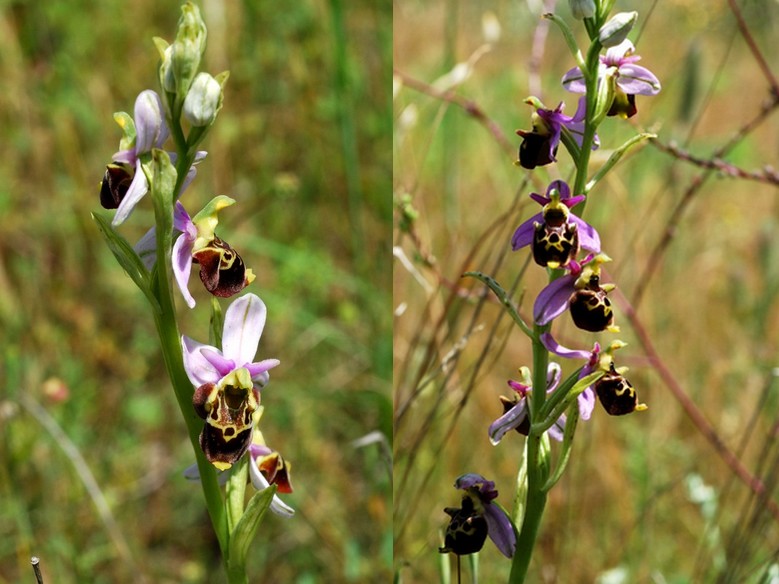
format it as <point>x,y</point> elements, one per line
<point>218,385</point>
<point>544,406</point>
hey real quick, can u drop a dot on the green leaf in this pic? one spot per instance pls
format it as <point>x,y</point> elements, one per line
<point>236,490</point>
<point>570,428</point>
<point>615,157</point>
<point>503,296</point>
<point>243,534</point>
<point>127,258</point>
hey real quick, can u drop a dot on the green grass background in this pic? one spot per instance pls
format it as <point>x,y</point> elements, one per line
<point>303,145</point>
<point>645,498</point>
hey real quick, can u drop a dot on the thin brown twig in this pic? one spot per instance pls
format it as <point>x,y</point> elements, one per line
<point>767,175</point>
<point>692,190</point>
<point>750,40</point>
<point>696,416</point>
<point>469,106</point>
<point>36,568</point>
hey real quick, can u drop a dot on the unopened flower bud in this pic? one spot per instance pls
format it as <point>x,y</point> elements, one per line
<point>582,8</point>
<point>203,100</point>
<point>188,47</point>
<point>617,28</point>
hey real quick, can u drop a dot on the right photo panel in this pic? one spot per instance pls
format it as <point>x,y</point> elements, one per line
<point>586,269</point>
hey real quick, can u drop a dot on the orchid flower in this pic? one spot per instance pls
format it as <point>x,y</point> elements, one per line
<point>266,468</point>
<point>228,381</point>
<point>556,234</point>
<point>125,181</point>
<point>515,414</point>
<point>581,293</point>
<point>539,145</point>
<point>477,518</point>
<point>631,79</point>
<point>615,392</point>
<point>222,270</point>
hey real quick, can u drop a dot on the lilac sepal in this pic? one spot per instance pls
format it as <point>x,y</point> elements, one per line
<point>586,399</point>
<point>499,525</point>
<point>151,132</point>
<point>524,234</point>
<point>243,326</point>
<point>182,251</point>
<point>588,236</point>
<point>508,421</point>
<point>573,81</point>
<point>637,80</point>
<point>500,530</point>
<point>552,301</point>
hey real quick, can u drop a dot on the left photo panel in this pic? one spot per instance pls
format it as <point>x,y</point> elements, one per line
<point>195,292</point>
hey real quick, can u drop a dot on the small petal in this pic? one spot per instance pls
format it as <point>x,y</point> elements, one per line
<point>256,370</point>
<point>199,369</point>
<point>222,364</point>
<point>244,322</point>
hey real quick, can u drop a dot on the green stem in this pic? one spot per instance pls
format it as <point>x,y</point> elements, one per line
<point>170,343</point>
<point>591,82</point>
<point>537,466</point>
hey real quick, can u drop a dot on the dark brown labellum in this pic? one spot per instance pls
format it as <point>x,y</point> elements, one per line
<point>534,150</point>
<point>555,244</point>
<point>466,532</point>
<point>116,183</point>
<point>616,393</point>
<point>624,105</point>
<point>222,270</point>
<point>590,308</point>
<point>228,414</point>
<point>276,470</point>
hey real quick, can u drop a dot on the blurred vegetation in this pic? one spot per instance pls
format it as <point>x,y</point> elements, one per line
<point>646,497</point>
<point>303,145</point>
